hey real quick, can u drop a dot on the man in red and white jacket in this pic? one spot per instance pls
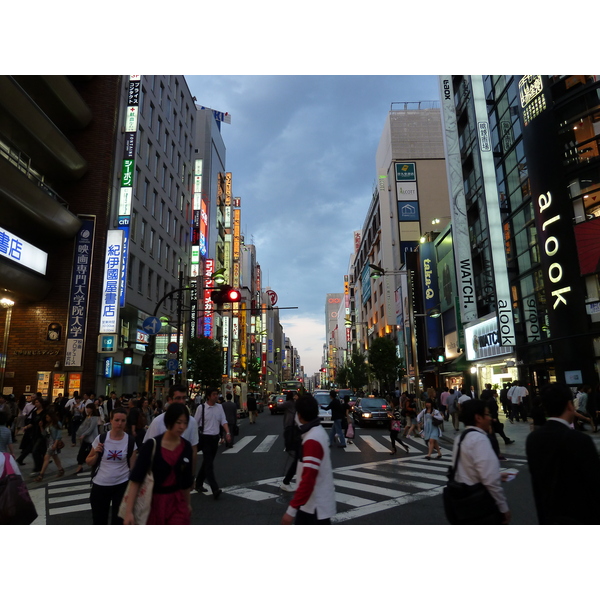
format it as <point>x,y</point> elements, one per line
<point>314,500</point>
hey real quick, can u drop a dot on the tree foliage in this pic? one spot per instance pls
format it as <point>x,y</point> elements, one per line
<point>384,362</point>
<point>253,374</point>
<point>357,371</point>
<point>205,362</point>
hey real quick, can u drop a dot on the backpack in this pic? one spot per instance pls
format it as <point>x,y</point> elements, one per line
<point>130,450</point>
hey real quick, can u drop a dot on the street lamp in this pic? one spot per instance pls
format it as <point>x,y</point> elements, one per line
<point>6,303</point>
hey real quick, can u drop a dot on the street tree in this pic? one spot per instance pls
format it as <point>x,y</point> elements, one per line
<point>205,361</point>
<point>358,371</point>
<point>384,362</point>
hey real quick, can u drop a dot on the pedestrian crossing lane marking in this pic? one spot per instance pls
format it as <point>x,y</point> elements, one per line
<point>241,443</point>
<point>372,489</point>
<point>371,441</point>
<point>266,444</point>
<point>395,480</point>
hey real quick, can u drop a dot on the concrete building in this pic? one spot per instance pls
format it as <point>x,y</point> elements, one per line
<point>411,194</point>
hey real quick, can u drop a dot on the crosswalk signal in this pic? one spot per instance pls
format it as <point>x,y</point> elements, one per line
<point>437,354</point>
<point>127,356</point>
<point>225,294</point>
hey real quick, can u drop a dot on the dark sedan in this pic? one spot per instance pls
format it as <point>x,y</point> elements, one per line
<point>376,411</point>
<point>276,404</point>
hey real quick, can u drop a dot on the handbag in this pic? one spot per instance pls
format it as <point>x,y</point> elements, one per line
<point>468,504</point>
<point>396,425</point>
<point>350,432</point>
<point>60,445</point>
<point>16,505</point>
<point>143,500</point>
<point>437,421</point>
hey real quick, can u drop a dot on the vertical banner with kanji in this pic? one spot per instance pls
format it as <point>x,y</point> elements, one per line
<point>79,295</point>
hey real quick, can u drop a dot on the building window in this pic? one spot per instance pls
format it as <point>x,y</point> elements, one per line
<point>130,262</point>
<point>158,283</point>
<point>159,130</point>
<point>133,225</point>
<point>140,286</point>
<point>151,249</point>
<point>148,152</point>
<point>151,116</point>
<point>162,212</point>
<point>146,190</point>
<point>143,234</point>
<point>149,287</point>
<point>159,249</point>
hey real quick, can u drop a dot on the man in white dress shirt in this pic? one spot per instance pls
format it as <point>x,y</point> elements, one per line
<point>177,393</point>
<point>478,461</point>
<point>209,418</point>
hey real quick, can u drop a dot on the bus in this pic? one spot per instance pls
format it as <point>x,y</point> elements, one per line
<point>291,386</point>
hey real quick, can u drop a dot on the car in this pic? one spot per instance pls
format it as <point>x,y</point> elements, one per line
<point>370,410</point>
<point>323,399</point>
<point>352,397</point>
<point>276,404</point>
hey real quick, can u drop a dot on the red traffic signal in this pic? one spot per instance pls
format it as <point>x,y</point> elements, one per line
<point>225,294</point>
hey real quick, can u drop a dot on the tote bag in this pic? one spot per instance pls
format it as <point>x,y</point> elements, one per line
<point>143,500</point>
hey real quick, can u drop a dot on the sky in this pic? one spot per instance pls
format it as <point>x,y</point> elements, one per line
<point>301,150</point>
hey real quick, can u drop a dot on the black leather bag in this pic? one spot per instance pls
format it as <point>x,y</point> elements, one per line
<point>469,504</point>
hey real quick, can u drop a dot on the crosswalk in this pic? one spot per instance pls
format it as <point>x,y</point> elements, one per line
<point>364,489</point>
<point>361,489</point>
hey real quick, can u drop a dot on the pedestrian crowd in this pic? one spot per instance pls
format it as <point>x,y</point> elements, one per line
<point>142,452</point>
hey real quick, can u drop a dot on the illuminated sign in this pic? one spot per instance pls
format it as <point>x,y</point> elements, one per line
<point>408,211</point>
<point>406,171</point>
<point>207,329</point>
<point>483,341</point>
<point>22,252</point>
<point>533,100</point>
<point>109,310</point>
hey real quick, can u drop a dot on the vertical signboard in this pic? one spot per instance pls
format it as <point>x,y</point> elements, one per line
<point>553,208</point>
<point>460,226</point>
<point>207,315</point>
<point>79,293</point>
<point>128,174</point>
<point>109,308</point>
<point>504,310</point>
<point>431,295</point>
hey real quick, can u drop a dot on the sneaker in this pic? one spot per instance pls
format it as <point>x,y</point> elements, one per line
<point>509,442</point>
<point>287,487</point>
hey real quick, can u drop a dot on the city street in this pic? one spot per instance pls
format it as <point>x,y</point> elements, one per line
<point>372,486</point>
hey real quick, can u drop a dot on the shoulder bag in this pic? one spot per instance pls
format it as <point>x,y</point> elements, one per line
<point>437,421</point>
<point>16,505</point>
<point>143,500</point>
<point>468,504</point>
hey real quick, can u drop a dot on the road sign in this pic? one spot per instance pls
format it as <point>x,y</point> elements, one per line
<point>152,325</point>
<point>173,347</point>
<point>172,364</point>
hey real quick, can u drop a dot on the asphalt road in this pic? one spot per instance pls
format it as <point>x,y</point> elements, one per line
<point>372,486</point>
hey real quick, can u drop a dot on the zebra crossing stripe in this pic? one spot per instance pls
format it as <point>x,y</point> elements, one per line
<point>385,505</point>
<point>266,444</point>
<point>61,499</point>
<point>249,494</point>
<point>395,480</point>
<point>371,441</point>
<point>241,443</point>
<point>351,500</point>
<point>371,489</point>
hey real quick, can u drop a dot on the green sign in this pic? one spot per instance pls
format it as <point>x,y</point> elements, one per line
<point>406,171</point>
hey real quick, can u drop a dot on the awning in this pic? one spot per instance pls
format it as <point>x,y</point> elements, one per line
<point>457,365</point>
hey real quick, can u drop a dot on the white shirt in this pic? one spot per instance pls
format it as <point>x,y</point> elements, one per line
<point>478,462</point>
<point>214,417</point>
<point>114,468</point>
<point>157,427</point>
<point>518,393</point>
<point>464,398</point>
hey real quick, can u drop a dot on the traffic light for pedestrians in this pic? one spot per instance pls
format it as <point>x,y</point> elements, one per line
<point>127,356</point>
<point>437,354</point>
<point>225,294</point>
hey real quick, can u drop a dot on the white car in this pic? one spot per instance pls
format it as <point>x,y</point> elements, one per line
<point>323,399</point>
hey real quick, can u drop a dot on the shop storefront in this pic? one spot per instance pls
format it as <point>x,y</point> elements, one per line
<point>489,362</point>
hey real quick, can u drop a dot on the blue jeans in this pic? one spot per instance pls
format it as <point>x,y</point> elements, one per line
<point>336,428</point>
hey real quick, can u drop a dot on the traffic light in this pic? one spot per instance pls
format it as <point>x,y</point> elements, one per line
<point>225,294</point>
<point>127,356</point>
<point>437,354</point>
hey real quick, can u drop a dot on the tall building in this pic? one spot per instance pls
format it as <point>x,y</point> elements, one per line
<point>409,202</point>
<point>524,173</point>
<point>97,176</point>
